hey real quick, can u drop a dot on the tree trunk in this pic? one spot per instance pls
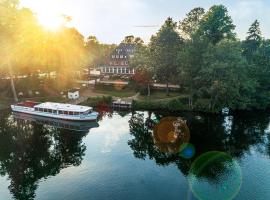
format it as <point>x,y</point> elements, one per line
<point>12,83</point>
<point>148,90</point>
<point>167,89</point>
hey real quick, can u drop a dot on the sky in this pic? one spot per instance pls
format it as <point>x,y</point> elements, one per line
<point>111,20</point>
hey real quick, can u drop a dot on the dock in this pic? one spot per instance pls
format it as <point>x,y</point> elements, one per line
<point>121,104</point>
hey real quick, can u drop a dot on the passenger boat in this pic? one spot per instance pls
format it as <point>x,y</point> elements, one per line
<point>56,110</point>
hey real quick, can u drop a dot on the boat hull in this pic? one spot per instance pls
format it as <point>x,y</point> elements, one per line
<point>31,111</point>
<point>57,123</point>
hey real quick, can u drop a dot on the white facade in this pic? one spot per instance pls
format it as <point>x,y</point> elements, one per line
<point>73,94</point>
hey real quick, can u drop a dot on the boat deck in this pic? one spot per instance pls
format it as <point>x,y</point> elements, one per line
<point>29,104</point>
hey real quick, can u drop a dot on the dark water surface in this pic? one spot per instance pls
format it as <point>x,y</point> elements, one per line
<point>228,157</point>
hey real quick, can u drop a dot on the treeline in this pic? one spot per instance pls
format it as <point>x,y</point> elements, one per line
<point>203,54</point>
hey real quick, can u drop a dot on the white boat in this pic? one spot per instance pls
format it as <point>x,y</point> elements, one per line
<point>56,110</point>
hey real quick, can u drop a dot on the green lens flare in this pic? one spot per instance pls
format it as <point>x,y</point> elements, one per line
<point>215,175</point>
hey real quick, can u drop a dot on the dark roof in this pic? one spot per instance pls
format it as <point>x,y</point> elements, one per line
<point>126,50</point>
<point>74,90</point>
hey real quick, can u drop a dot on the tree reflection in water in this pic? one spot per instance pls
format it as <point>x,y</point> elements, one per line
<point>208,133</point>
<point>30,152</point>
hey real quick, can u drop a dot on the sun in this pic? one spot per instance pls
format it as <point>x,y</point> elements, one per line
<point>50,22</point>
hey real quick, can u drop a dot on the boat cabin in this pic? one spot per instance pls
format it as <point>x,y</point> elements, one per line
<point>63,109</point>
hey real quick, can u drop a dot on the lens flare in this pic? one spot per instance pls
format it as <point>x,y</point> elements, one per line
<point>170,134</point>
<point>215,175</point>
<point>187,151</point>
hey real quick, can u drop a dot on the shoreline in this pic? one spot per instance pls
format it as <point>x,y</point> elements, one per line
<point>168,105</point>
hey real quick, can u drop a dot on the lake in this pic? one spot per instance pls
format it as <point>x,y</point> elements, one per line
<point>133,156</point>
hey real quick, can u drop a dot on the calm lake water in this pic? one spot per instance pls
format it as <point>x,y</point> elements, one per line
<point>121,157</point>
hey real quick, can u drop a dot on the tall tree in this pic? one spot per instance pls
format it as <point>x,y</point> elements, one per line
<point>253,40</point>
<point>8,25</point>
<point>189,25</point>
<point>144,69</point>
<point>217,25</point>
<point>163,50</point>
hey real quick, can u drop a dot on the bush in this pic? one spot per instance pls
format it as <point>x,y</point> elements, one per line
<point>170,105</point>
<point>94,101</point>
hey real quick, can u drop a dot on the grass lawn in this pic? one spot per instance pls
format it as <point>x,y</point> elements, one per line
<point>58,99</point>
<point>158,95</point>
<point>116,93</point>
<point>4,104</point>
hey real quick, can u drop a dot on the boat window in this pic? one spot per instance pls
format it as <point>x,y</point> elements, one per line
<point>60,112</point>
<point>55,111</point>
<point>50,110</point>
<point>70,113</point>
<point>45,110</point>
<point>36,109</point>
<point>76,113</point>
<point>66,112</point>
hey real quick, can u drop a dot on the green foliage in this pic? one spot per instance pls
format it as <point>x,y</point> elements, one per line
<point>163,50</point>
<point>253,40</point>
<point>168,105</point>
<point>190,25</point>
<point>94,101</point>
<point>216,25</point>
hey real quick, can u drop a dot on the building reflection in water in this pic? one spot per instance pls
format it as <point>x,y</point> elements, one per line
<point>33,148</point>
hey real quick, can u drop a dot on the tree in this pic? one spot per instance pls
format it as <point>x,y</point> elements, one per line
<point>8,24</point>
<point>190,59</point>
<point>132,40</point>
<point>97,52</point>
<point>217,25</point>
<point>223,78</point>
<point>260,71</point>
<point>144,70</point>
<point>163,50</point>
<point>189,25</point>
<point>253,40</point>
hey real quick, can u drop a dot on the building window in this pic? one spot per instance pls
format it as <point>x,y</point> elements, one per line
<point>121,56</point>
<point>117,56</point>
<point>115,70</point>
<point>126,62</point>
<point>113,56</point>
<point>115,63</point>
<point>122,62</point>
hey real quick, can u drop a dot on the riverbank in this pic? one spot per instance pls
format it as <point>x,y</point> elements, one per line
<point>4,104</point>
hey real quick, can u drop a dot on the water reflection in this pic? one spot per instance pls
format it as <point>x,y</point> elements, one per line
<point>235,135</point>
<point>31,151</point>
